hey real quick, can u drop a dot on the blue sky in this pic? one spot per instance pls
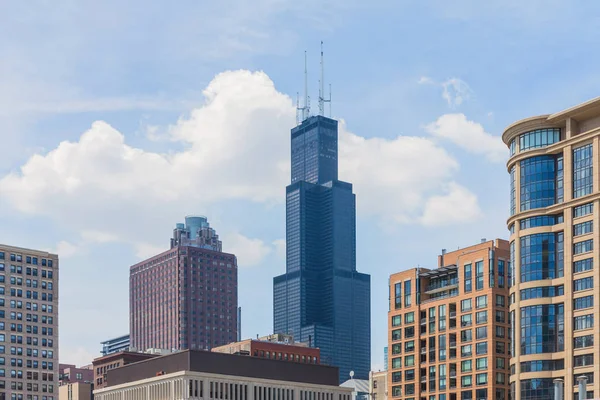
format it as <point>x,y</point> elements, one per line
<point>117,120</point>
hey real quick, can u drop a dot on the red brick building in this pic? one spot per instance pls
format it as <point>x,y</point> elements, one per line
<point>275,347</point>
<point>109,362</point>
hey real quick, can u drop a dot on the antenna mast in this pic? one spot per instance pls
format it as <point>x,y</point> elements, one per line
<point>322,99</point>
<point>305,110</point>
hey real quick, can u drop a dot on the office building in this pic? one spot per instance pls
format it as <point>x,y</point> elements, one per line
<point>76,391</point>
<point>69,373</point>
<point>29,323</point>
<point>321,298</point>
<point>448,327</point>
<point>207,375</point>
<point>378,385</point>
<point>276,347</point>
<point>115,345</point>
<point>553,224</point>
<point>185,297</point>
<point>102,365</point>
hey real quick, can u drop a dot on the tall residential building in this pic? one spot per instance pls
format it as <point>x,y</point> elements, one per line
<point>553,224</point>
<point>449,327</point>
<point>185,297</point>
<point>385,358</point>
<point>28,324</point>
<point>322,299</point>
<point>115,345</point>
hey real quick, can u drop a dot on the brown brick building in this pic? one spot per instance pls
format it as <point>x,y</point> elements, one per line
<point>275,347</point>
<point>449,329</point>
<point>112,361</point>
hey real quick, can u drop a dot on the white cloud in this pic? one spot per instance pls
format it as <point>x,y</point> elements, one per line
<point>249,252</point>
<point>76,355</point>
<point>469,135</point>
<point>65,249</point>
<point>425,80</point>
<point>280,248</point>
<point>236,145</point>
<point>456,91</point>
<point>457,205</point>
<point>144,250</point>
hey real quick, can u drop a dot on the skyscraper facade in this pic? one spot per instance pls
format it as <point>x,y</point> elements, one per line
<point>322,299</point>
<point>553,224</point>
<point>28,324</point>
<point>185,297</point>
<point>448,327</point>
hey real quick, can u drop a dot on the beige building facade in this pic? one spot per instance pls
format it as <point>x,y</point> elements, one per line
<point>553,223</point>
<point>448,327</point>
<point>75,391</point>
<point>378,385</point>
<point>29,367</point>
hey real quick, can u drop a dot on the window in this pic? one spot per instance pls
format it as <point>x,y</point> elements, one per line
<point>539,138</point>
<point>539,176</point>
<point>542,220</point>
<point>482,363</point>
<point>500,300</point>
<point>466,381</point>
<point>466,320</point>
<point>479,275</point>
<point>583,228</point>
<point>541,256</point>
<point>407,294</point>
<point>396,334</point>
<point>545,291</point>
<point>396,348</point>
<point>500,347</point>
<point>583,247</point>
<point>409,332</point>
<point>481,301</point>
<point>500,363</point>
<point>581,342</point>
<point>409,361</point>
<point>409,346</point>
<point>466,366</point>
<point>465,305</point>
<point>537,388</point>
<point>466,350</point>
<point>513,191</point>
<point>481,317</point>
<point>588,375</point>
<point>442,321</point>
<point>396,391</point>
<point>583,265</point>
<point>501,272</point>
<point>583,210</point>
<point>583,302</point>
<point>466,335</point>
<point>468,275</point>
<point>583,360</point>
<point>481,348</point>
<point>582,171</point>
<point>500,316</point>
<point>398,295</point>
<point>542,328</point>
<point>396,362</point>
<point>396,377</point>
<point>397,320</point>
<point>500,331</point>
<point>466,395</point>
<point>481,332</point>
<point>481,379</point>
<point>409,318</point>
<point>583,322</point>
<point>583,284</point>
<point>409,375</point>
<point>542,365</point>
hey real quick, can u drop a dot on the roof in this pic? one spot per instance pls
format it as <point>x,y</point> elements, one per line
<point>359,385</point>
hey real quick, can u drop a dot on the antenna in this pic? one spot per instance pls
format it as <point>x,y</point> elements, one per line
<point>305,110</point>
<point>322,99</point>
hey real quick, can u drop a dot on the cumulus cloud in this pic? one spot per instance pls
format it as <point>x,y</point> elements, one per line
<point>234,146</point>
<point>425,80</point>
<point>65,249</point>
<point>249,252</point>
<point>456,91</point>
<point>455,206</point>
<point>469,135</point>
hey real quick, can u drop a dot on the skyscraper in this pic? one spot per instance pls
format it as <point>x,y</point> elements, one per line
<point>185,297</point>
<point>28,324</point>
<point>553,225</point>
<point>322,299</point>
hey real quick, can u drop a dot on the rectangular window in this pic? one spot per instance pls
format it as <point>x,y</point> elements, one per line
<point>465,305</point>
<point>409,318</point>
<point>396,320</point>
<point>466,366</point>
<point>409,346</point>
<point>582,171</point>
<point>500,300</point>
<point>500,347</point>
<point>583,302</point>
<point>396,362</point>
<point>583,228</point>
<point>583,322</point>
<point>409,361</point>
<point>468,277</point>
<point>481,379</point>
<point>479,275</point>
<point>481,317</point>
<point>583,210</point>
<point>481,333</point>
<point>407,294</point>
<point>396,334</point>
<point>500,316</point>
<point>466,320</point>
<point>398,295</point>
<point>501,273</point>
<point>409,375</point>
<point>466,381</point>
<point>409,332</point>
<point>583,284</point>
<point>583,360</point>
<point>581,342</point>
<point>466,350</point>
<point>583,247</point>
<point>583,265</point>
<point>481,348</point>
<point>466,335</point>
<point>396,348</point>
<point>481,301</point>
<point>500,332</point>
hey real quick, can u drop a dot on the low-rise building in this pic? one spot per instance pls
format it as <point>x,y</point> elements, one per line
<point>212,375</point>
<point>76,391</point>
<point>276,347</point>
<point>109,362</point>
<point>378,385</point>
<point>69,373</point>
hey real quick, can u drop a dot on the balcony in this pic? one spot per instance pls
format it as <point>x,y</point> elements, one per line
<point>452,374</point>
<point>424,350</point>
<point>446,295</point>
<point>452,345</point>
<point>441,286</point>
<point>452,314</point>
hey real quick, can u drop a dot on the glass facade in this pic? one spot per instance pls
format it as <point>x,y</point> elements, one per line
<point>322,298</point>
<point>542,329</point>
<point>582,171</point>
<point>537,389</point>
<point>539,138</point>
<point>543,220</point>
<point>538,182</point>
<point>513,191</point>
<point>541,256</point>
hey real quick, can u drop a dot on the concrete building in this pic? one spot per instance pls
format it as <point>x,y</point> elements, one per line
<point>102,365</point>
<point>208,375</point>
<point>68,373</point>
<point>76,391</point>
<point>115,345</point>
<point>378,385</point>
<point>185,297</point>
<point>322,298</point>
<point>276,347</point>
<point>360,388</point>
<point>28,323</point>
<point>553,224</point>
<point>448,327</point>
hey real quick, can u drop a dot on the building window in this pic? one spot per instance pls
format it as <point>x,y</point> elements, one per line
<point>409,318</point>
<point>539,292</point>
<point>481,379</point>
<point>396,334</point>
<point>536,389</point>
<point>407,293</point>
<point>482,363</point>
<point>583,284</point>
<point>583,265</point>
<point>583,302</point>
<point>501,273</point>
<point>468,276</point>
<point>542,365</point>
<point>583,360</point>
<point>583,210</point>
<point>542,329</point>
<point>500,300</point>
<point>465,305</point>
<point>481,332</point>
<point>479,275</point>
<point>513,191</point>
<point>583,322</point>
<point>541,256</point>
<point>481,317</point>
<point>581,342</point>
<point>396,320</point>
<point>534,222</point>
<point>481,348</point>
<point>582,171</point>
<point>583,228</point>
<point>466,381</point>
<point>583,247</point>
<point>466,335</point>
<point>538,182</point>
<point>398,295</point>
<point>481,301</point>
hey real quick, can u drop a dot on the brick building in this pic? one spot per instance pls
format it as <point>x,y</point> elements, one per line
<point>276,347</point>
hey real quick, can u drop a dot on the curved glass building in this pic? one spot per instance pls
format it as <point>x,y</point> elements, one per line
<point>553,224</point>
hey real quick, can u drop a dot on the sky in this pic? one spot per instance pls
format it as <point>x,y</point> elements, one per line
<point>117,119</point>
